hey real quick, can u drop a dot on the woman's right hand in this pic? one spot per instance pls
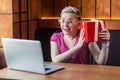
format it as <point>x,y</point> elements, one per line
<point>81,38</point>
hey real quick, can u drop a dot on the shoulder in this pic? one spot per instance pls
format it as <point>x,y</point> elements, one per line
<point>56,35</point>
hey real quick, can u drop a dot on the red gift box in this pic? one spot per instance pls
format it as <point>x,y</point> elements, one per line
<point>91,29</point>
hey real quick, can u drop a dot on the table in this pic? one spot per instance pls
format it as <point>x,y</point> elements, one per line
<point>70,72</point>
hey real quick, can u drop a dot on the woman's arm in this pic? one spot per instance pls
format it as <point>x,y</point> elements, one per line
<point>56,56</point>
<point>101,56</point>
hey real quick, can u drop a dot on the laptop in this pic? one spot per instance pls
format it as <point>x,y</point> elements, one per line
<point>26,55</point>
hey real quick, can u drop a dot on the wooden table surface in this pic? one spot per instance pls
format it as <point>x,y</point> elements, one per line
<point>70,72</point>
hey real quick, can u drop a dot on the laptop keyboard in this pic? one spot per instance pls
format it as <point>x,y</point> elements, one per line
<point>47,67</point>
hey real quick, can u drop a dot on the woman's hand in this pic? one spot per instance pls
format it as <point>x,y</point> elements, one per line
<point>105,35</point>
<point>81,38</point>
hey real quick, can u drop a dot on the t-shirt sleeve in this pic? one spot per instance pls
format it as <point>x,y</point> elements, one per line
<point>54,37</point>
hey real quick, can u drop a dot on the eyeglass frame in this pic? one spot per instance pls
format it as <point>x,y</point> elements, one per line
<point>69,21</point>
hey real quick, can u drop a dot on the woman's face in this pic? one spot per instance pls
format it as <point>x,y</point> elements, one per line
<point>69,24</point>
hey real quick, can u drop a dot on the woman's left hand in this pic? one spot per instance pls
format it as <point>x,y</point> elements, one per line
<point>105,35</point>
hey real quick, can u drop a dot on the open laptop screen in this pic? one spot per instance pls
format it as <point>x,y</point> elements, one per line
<point>26,55</point>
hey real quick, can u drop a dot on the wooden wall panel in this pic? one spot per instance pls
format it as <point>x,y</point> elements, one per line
<point>23,6</point>
<point>115,9</point>
<point>73,3</point>
<point>32,9</point>
<point>88,9</point>
<point>6,29</point>
<point>32,22</point>
<point>107,10</point>
<point>24,30</point>
<point>39,9</point>
<point>47,8</point>
<point>5,6</point>
<point>15,5</point>
<point>47,23</point>
<point>59,5</point>
<point>103,9</point>
<point>16,30</point>
<point>16,10</point>
<point>6,19</point>
<point>113,24</point>
<point>6,25</point>
<point>32,28</point>
<point>23,18</point>
<point>16,18</point>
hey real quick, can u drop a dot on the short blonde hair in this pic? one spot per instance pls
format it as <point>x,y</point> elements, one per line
<point>70,9</point>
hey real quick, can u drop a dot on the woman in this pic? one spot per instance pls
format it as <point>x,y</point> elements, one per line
<point>69,45</point>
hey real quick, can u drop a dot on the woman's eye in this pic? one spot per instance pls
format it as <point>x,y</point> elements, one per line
<point>70,21</point>
<point>62,21</point>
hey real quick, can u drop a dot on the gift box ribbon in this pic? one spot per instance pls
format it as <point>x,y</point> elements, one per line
<point>96,28</point>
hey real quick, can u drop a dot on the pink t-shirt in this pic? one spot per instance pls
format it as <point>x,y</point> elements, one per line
<point>81,57</point>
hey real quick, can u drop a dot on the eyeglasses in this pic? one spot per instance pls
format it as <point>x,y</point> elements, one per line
<point>63,21</point>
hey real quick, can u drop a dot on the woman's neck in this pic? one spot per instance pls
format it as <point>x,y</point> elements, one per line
<point>69,40</point>
<point>71,36</point>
